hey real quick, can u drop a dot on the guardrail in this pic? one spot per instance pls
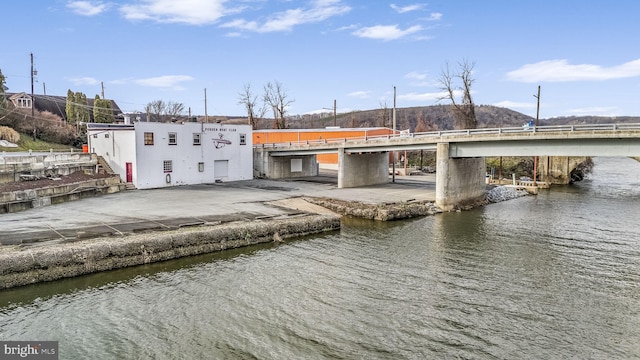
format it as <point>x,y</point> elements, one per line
<point>8,154</point>
<point>454,133</point>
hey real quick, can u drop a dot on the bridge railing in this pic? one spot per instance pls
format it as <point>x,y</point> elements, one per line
<point>455,133</point>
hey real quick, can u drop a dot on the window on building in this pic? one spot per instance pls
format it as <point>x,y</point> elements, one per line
<point>167,166</point>
<point>148,138</point>
<point>24,103</point>
<point>95,136</point>
<point>106,135</point>
<point>173,138</point>
<point>201,167</point>
<point>243,139</point>
<point>196,138</point>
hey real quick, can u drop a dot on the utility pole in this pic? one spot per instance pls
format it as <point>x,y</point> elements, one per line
<point>206,116</point>
<point>33,100</point>
<point>44,88</point>
<point>393,153</point>
<point>335,121</point>
<point>535,158</point>
<point>102,85</point>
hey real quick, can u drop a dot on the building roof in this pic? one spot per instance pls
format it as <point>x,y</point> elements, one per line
<point>58,104</point>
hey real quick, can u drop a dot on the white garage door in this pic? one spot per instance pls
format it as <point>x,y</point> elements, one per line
<point>221,169</point>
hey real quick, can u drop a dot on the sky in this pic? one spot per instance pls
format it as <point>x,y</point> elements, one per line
<point>583,54</point>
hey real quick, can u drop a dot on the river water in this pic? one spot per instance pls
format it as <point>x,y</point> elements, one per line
<point>553,276</point>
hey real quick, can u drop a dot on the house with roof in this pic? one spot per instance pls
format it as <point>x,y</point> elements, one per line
<point>154,155</point>
<point>54,104</point>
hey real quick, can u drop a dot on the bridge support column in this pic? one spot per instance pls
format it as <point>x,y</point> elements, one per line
<point>362,169</point>
<point>557,169</point>
<point>281,167</point>
<point>459,181</point>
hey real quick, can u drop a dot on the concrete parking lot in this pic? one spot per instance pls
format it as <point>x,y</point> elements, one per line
<point>158,209</point>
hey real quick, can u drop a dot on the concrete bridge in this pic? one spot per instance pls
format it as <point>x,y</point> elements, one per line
<point>460,166</point>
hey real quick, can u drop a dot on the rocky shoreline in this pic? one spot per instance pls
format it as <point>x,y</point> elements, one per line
<point>380,212</point>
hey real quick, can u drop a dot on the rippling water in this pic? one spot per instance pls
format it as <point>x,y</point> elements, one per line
<point>546,277</point>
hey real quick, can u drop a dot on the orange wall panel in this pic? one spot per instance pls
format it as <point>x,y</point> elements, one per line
<point>274,136</point>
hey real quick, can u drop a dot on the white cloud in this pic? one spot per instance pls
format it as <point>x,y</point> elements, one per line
<point>598,111</point>
<point>562,71</point>
<point>515,105</point>
<point>423,97</point>
<point>408,8</point>
<point>165,81</point>
<point>415,76</point>
<point>435,16</point>
<point>87,8</point>
<point>386,32</point>
<point>194,12</point>
<point>418,79</point>
<point>286,20</point>
<point>79,81</point>
<point>360,94</point>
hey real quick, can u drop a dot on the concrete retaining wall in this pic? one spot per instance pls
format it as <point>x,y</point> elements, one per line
<point>12,166</point>
<point>22,266</point>
<point>33,198</point>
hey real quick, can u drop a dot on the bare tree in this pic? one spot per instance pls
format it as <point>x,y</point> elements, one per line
<point>174,109</point>
<point>276,97</point>
<point>154,110</point>
<point>384,114</point>
<point>464,110</point>
<point>159,110</point>
<point>424,124</point>
<point>250,102</point>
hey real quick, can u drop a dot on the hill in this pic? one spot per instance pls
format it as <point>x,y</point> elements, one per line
<point>425,118</point>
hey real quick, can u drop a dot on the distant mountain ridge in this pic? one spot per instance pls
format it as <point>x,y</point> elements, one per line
<point>427,118</point>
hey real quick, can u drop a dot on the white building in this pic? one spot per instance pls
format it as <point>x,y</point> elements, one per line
<point>153,155</point>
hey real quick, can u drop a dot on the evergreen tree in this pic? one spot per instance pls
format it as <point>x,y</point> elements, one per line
<point>3,89</point>
<point>102,112</point>
<point>82,113</point>
<point>70,107</point>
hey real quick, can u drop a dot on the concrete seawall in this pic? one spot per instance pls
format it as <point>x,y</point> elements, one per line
<point>28,265</point>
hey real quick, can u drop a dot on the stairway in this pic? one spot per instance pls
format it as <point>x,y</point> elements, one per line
<point>104,166</point>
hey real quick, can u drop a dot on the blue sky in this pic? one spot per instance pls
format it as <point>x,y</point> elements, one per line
<point>583,53</point>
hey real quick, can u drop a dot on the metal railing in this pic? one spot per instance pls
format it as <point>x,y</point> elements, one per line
<point>457,133</point>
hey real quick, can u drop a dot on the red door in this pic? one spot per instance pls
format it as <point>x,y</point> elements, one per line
<point>129,172</point>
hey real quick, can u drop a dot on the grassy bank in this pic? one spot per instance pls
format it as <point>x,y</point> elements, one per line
<point>27,143</point>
